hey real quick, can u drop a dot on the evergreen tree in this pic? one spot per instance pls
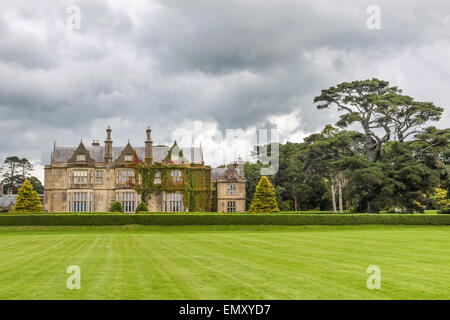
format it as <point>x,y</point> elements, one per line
<point>116,207</point>
<point>264,199</point>
<point>27,200</point>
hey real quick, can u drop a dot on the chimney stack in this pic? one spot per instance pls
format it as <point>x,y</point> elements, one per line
<point>108,146</point>
<point>95,143</point>
<point>148,146</point>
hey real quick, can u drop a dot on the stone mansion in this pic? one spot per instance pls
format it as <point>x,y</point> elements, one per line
<point>90,179</point>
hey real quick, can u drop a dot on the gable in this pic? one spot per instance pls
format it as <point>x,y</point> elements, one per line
<point>81,151</point>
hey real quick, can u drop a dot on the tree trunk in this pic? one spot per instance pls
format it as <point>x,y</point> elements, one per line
<point>333,195</point>
<point>295,203</point>
<point>341,209</point>
<point>371,147</point>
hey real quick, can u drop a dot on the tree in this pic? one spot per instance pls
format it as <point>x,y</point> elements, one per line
<point>25,167</point>
<point>116,206</point>
<point>15,171</point>
<point>380,109</point>
<point>408,115</point>
<point>440,196</point>
<point>27,200</point>
<point>252,176</point>
<point>290,175</point>
<point>264,199</point>
<point>37,185</point>
<point>398,179</point>
<point>322,154</point>
<point>142,207</point>
<point>10,172</point>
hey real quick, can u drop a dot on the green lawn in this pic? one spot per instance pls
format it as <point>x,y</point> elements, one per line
<point>225,262</point>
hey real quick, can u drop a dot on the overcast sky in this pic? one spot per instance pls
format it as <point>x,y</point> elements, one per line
<point>230,64</point>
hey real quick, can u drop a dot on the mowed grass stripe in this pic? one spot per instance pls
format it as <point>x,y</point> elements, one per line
<point>216,271</point>
<point>42,271</point>
<point>194,262</point>
<point>295,268</point>
<point>403,263</point>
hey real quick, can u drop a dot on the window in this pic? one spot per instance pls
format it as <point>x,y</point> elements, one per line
<point>177,176</point>
<point>128,202</point>
<point>157,179</point>
<point>231,206</point>
<point>98,177</point>
<point>175,202</point>
<point>80,176</point>
<point>231,189</point>
<point>128,158</point>
<point>81,157</point>
<point>127,176</point>
<point>81,203</point>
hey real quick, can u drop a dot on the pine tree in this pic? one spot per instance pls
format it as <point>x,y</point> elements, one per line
<point>27,200</point>
<point>264,199</point>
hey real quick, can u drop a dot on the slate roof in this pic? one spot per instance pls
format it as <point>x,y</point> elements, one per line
<point>217,173</point>
<point>63,154</point>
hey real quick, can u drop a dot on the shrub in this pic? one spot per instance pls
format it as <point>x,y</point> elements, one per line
<point>27,200</point>
<point>444,210</point>
<point>92,219</point>
<point>264,199</point>
<point>116,207</point>
<point>142,207</point>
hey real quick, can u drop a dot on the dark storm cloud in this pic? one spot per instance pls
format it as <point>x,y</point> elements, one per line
<point>234,63</point>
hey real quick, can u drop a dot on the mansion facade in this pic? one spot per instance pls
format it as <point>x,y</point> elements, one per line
<point>90,179</point>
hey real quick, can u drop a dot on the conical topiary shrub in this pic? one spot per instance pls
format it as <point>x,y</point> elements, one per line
<point>116,207</point>
<point>142,207</point>
<point>264,199</point>
<point>27,200</point>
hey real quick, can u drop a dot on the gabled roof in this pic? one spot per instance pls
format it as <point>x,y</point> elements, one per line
<point>97,153</point>
<point>231,173</point>
<point>80,150</point>
<point>127,151</point>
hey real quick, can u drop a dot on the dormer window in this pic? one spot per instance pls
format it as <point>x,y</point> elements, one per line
<point>81,157</point>
<point>128,158</point>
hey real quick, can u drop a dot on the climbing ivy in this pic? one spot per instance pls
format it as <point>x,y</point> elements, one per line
<point>195,185</point>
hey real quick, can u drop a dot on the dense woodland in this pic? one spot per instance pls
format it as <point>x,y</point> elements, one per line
<point>394,161</point>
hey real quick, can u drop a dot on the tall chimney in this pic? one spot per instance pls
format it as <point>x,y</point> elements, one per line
<point>148,146</point>
<point>108,146</point>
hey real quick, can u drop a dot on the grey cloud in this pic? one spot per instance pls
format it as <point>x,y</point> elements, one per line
<point>233,62</point>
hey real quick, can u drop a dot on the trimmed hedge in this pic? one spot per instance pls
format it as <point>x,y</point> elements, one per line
<point>219,219</point>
